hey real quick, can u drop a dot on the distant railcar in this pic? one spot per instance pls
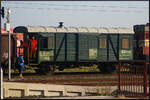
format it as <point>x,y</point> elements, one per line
<point>5,49</point>
<point>141,38</point>
<point>73,47</point>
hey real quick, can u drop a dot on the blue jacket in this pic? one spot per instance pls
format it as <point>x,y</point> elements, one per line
<point>20,61</point>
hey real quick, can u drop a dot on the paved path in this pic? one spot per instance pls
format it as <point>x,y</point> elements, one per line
<point>78,97</point>
<point>89,97</point>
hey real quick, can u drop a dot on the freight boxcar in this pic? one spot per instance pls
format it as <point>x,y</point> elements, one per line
<point>68,47</point>
<point>4,50</point>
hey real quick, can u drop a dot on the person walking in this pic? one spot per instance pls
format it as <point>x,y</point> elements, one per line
<point>21,65</point>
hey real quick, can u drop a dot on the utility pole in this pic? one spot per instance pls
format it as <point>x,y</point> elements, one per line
<point>9,43</point>
<point>2,14</point>
<point>1,91</point>
<point>7,26</point>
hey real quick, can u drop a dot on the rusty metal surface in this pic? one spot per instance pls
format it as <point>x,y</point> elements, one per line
<point>4,51</point>
<point>133,78</point>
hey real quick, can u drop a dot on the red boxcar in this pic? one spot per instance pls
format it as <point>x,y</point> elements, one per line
<point>4,50</point>
<point>141,37</point>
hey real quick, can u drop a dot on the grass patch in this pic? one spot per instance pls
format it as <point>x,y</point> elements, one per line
<point>16,71</point>
<point>29,69</point>
<point>80,69</point>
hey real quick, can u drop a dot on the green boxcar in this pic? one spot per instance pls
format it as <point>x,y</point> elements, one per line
<point>71,44</point>
<point>89,47</point>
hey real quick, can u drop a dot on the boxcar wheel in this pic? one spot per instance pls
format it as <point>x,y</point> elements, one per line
<point>61,68</point>
<point>102,69</point>
<point>43,68</point>
<point>106,68</point>
<point>46,68</point>
<point>51,68</point>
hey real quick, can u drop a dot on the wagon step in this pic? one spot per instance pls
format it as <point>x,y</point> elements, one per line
<point>33,64</point>
<point>32,61</point>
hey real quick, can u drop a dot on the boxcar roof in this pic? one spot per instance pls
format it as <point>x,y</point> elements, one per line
<point>30,29</point>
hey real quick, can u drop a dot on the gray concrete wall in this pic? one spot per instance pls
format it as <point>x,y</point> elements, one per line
<point>14,89</point>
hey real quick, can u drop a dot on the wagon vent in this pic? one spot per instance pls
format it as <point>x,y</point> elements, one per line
<point>61,25</point>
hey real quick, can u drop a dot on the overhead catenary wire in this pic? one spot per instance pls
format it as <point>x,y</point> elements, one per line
<point>81,5</point>
<point>135,8</point>
<point>80,8</point>
<point>70,5</point>
<point>75,9</point>
<point>123,8</point>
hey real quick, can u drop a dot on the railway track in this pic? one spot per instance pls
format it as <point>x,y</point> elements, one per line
<point>81,79</point>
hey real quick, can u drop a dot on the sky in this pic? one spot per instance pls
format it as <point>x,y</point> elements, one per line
<point>77,13</point>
